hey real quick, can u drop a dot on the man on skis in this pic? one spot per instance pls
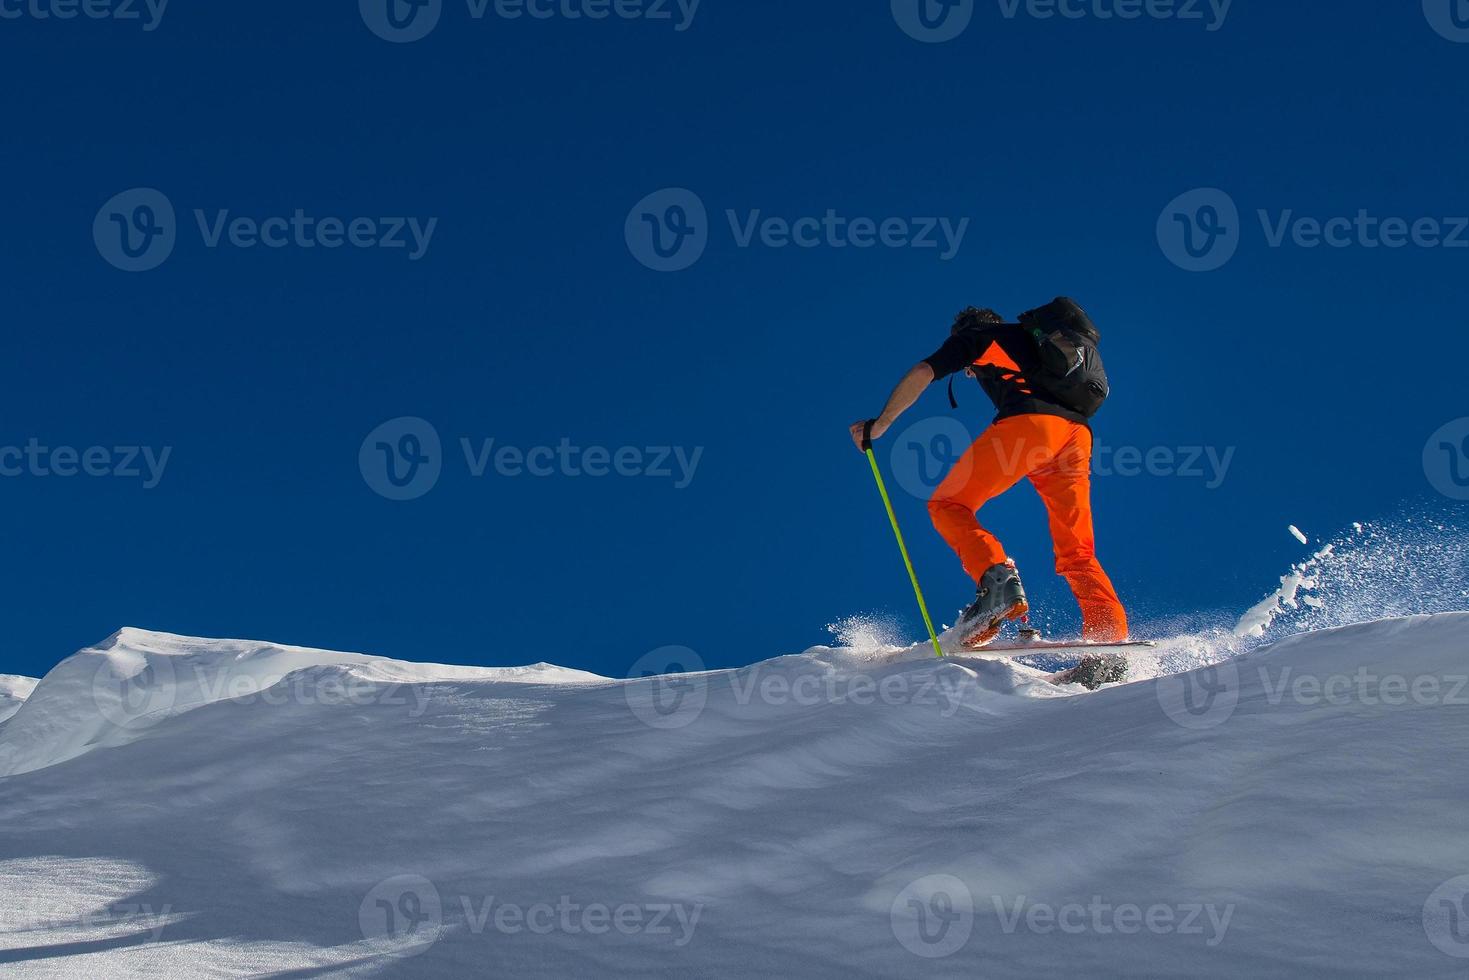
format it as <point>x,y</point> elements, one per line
<point>1045,377</point>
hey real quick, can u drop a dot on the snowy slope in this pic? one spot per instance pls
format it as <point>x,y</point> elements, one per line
<point>207,808</point>
<point>112,693</point>
<point>13,692</point>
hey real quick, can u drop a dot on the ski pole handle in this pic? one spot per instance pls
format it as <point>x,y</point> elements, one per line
<point>867,439</point>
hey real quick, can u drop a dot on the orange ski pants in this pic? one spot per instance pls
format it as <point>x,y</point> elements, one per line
<point>1055,454</point>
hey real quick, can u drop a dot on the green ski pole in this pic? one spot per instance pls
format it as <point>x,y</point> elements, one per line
<point>897,532</point>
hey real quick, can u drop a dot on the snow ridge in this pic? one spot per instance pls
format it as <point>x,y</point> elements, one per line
<point>845,812</point>
<point>114,692</point>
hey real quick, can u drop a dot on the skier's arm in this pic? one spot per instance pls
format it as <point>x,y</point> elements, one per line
<point>957,353</point>
<point>919,377</point>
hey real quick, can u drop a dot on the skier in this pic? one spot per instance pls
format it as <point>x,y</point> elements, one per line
<point>1046,378</point>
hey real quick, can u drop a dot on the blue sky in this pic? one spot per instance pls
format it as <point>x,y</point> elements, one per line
<point>525,311</point>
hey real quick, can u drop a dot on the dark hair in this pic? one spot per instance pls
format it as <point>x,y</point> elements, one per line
<point>971,317</point>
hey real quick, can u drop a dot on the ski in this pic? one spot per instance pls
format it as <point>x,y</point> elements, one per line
<point>1101,663</point>
<point>1052,646</point>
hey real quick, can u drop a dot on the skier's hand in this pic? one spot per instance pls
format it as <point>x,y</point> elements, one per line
<point>859,430</point>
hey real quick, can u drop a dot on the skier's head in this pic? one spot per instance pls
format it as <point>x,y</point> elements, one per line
<point>972,317</point>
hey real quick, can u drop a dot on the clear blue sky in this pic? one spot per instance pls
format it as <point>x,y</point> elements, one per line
<point>530,320</point>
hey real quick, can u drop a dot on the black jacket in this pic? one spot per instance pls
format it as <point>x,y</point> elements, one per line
<point>1002,354</point>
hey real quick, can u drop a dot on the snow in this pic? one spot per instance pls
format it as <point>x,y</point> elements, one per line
<point>1259,617</point>
<point>182,807</point>
<point>1411,566</point>
<point>112,693</point>
<point>13,692</point>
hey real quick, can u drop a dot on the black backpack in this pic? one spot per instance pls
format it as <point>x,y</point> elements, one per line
<point>1071,366</point>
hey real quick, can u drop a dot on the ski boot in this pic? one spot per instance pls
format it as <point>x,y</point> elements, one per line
<point>1001,596</point>
<point>1094,671</point>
